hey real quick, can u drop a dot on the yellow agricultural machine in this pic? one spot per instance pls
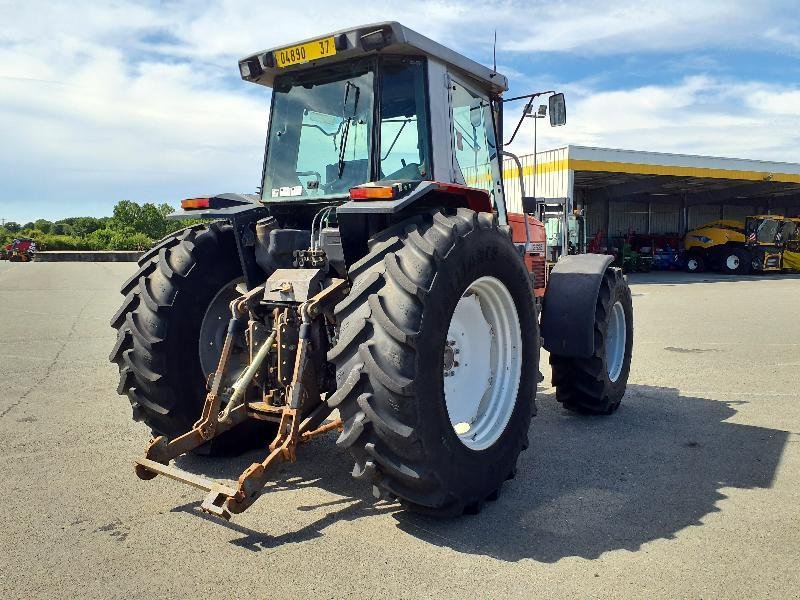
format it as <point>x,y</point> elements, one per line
<point>736,247</point>
<point>368,288</point>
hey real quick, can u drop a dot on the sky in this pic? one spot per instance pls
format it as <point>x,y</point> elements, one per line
<point>139,100</point>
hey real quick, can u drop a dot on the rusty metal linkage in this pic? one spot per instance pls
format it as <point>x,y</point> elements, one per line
<point>301,395</point>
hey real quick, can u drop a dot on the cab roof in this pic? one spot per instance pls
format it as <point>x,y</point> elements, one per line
<point>388,37</point>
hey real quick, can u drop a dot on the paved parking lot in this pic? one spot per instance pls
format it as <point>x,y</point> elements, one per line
<point>691,490</point>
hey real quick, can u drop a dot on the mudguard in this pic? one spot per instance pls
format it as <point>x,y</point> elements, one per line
<point>568,309</point>
<point>458,195</point>
<point>242,211</point>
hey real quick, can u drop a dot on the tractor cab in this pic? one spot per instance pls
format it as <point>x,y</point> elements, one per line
<point>565,228</point>
<point>363,106</point>
<point>764,238</point>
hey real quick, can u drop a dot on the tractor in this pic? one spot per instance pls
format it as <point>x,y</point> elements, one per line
<point>20,250</point>
<point>375,285</point>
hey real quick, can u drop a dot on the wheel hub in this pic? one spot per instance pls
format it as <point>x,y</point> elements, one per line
<point>732,262</point>
<point>449,358</point>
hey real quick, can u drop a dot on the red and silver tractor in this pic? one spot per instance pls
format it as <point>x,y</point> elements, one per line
<point>376,285</point>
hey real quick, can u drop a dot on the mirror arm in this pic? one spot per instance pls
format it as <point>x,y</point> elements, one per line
<point>531,96</point>
<point>525,110</point>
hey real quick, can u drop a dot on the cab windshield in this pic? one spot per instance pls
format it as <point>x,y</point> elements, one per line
<point>767,231</point>
<point>322,132</point>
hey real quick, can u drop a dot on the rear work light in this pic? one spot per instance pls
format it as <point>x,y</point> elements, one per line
<point>373,193</point>
<point>381,192</point>
<point>195,203</point>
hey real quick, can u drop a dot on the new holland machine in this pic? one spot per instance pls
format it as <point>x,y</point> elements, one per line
<point>370,288</point>
<point>738,248</point>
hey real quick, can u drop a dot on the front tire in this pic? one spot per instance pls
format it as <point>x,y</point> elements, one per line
<point>399,330</point>
<point>595,385</point>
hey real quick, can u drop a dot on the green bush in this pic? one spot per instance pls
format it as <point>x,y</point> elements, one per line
<point>60,242</point>
<point>133,227</point>
<point>130,241</point>
<point>100,239</point>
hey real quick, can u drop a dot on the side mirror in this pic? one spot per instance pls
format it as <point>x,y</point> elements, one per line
<point>558,110</point>
<point>476,112</point>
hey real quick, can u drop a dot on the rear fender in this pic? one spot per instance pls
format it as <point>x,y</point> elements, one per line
<point>359,219</point>
<point>568,309</point>
<point>426,193</point>
<point>242,215</point>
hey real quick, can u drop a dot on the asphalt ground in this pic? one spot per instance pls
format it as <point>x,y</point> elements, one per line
<point>691,490</point>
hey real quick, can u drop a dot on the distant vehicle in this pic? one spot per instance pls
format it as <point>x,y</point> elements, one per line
<point>20,250</point>
<point>736,247</point>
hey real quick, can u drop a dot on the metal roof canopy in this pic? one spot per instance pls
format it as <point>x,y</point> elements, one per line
<point>399,40</point>
<point>628,175</point>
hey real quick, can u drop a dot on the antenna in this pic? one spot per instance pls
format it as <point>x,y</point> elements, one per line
<point>494,52</point>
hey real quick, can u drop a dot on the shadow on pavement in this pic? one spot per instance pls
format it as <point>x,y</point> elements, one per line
<point>319,465</point>
<point>584,487</point>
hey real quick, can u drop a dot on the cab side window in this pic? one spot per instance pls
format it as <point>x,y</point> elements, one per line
<point>474,146</point>
<point>404,121</point>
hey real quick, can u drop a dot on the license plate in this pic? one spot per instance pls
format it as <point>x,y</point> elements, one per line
<point>302,53</point>
<point>537,247</point>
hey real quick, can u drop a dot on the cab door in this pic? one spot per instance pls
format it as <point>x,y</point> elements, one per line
<point>475,158</point>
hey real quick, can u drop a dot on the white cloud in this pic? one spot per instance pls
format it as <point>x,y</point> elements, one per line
<point>699,115</point>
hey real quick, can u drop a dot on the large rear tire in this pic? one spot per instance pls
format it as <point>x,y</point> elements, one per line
<point>595,385</point>
<point>175,309</point>
<point>430,416</point>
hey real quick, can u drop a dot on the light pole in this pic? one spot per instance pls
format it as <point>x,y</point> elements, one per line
<point>539,114</point>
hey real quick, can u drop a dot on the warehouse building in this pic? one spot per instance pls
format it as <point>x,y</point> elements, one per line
<point>624,192</point>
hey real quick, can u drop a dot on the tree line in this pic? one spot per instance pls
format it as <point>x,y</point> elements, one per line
<point>132,227</point>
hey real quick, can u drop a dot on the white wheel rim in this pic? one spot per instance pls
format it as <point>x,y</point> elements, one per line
<point>692,264</point>
<point>732,262</point>
<point>482,363</point>
<point>616,335</point>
